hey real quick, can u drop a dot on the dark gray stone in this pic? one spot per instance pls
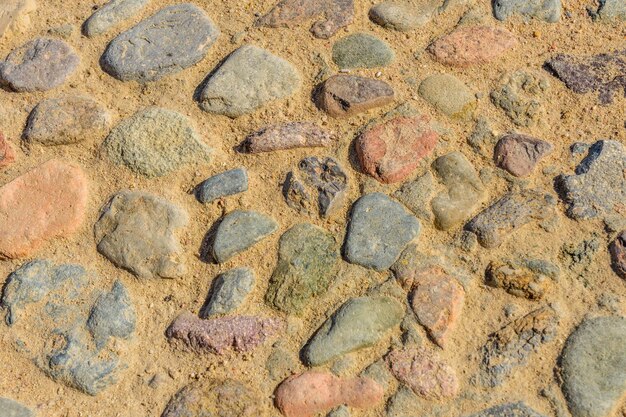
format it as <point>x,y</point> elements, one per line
<point>112,14</point>
<point>238,231</point>
<point>361,50</point>
<point>229,291</point>
<point>10,408</point>
<point>546,10</point>
<point>518,409</point>
<point>221,185</point>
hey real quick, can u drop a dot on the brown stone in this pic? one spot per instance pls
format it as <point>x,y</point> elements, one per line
<point>287,136</point>
<point>618,254</point>
<point>517,280</point>
<point>518,154</point>
<point>7,155</point>
<point>347,95</point>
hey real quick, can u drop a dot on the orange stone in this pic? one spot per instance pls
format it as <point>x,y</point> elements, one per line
<point>7,156</point>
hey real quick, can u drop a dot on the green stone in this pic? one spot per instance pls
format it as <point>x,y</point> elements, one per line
<point>361,50</point>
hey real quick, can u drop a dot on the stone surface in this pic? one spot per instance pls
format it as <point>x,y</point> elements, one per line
<point>307,257</point>
<point>518,154</point>
<point>358,323</point>
<point>174,38</point>
<point>518,409</point>
<point>112,316</point>
<point>472,45</point>
<point>7,155</point>
<point>449,95</point>
<point>228,292</point>
<point>64,120</point>
<point>392,150</point>
<point>518,279</point>
<point>416,196</point>
<point>111,15</point>
<point>362,50</point>
<point>287,136</point>
<point>546,10</point>
<point>401,15</point>
<point>520,96</point>
<point>379,229</point>
<point>47,202</point>
<point>137,231</point>
<point>314,392</point>
<point>155,142</point>
<point>281,363</point>
<point>609,10</point>
<point>341,411</point>
<point>248,79</point>
<point>238,231</point>
<point>345,95</point>
<point>38,65</point>
<point>224,184</point>
<point>12,408</point>
<point>15,15</point>
<point>617,249</point>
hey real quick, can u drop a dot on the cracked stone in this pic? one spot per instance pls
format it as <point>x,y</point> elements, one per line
<point>287,136</point>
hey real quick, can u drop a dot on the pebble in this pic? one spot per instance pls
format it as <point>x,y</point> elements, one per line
<point>307,257</point>
<point>609,10</point>
<point>286,136</point>
<point>518,154</point>
<point>472,45</point>
<point>517,279</point>
<point>362,50</point>
<point>449,95</point>
<point>248,79</point>
<point>12,408</point>
<point>7,155</point>
<point>617,249</point>
<point>546,10</point>
<point>227,183</point>
<point>416,196</point>
<point>347,95</point>
<point>66,120</point>
<point>155,142</point>
<point>401,15</point>
<point>39,65</point>
<point>174,38</point>
<point>518,409</point>
<point>379,230</point>
<point>392,150</point>
<point>228,292</point>
<point>520,96</point>
<point>15,16</point>
<point>358,323</point>
<point>314,392</point>
<point>137,231</point>
<point>240,230</point>
<point>111,15</point>
<point>47,202</point>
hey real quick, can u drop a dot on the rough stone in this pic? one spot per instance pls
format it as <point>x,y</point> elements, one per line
<point>111,15</point>
<point>12,408</point>
<point>518,409</point>
<point>281,364</point>
<point>546,10</point>
<point>15,16</point>
<point>361,50</point>
<point>483,138</point>
<point>7,155</point>
<point>416,196</point>
<point>224,184</point>
<point>403,403</point>
<point>379,372</point>
<point>238,231</point>
<point>345,95</point>
<point>341,411</point>
<point>518,279</point>
<point>112,316</point>
<point>617,249</point>
<point>401,15</point>
<point>518,154</point>
<point>609,10</point>
<point>228,292</point>
<point>520,96</point>
<point>287,136</point>
<point>449,95</point>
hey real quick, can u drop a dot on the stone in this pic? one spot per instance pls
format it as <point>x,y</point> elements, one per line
<point>512,346</point>
<point>344,95</point>
<point>337,14</point>
<point>65,120</point>
<point>593,364</point>
<point>379,230</point>
<point>424,372</point>
<point>112,14</point>
<point>416,196</point>
<point>7,155</point>
<point>15,16</point>
<point>12,408</point>
<point>403,403</point>
<point>317,187</point>
<point>155,142</point>
<point>609,10</point>
<point>38,65</point>
<point>401,15</point>
<point>362,50</point>
<point>341,411</point>
<point>314,392</point>
<point>223,334</point>
<point>520,96</point>
<point>518,154</point>
<point>546,10</point>
<point>281,364</point>
<point>518,409</point>
<point>449,95</point>
<point>228,292</point>
<point>307,257</point>
<point>358,323</point>
<point>240,230</point>
<point>483,138</point>
<point>137,231</point>
<point>247,80</point>
<point>45,203</point>
<point>617,249</point>
<point>517,279</point>
<point>497,222</point>
<point>290,135</point>
<point>467,46</point>
<point>224,184</point>
<point>603,73</point>
<point>174,38</point>
<point>392,150</point>
<point>112,316</point>
<point>598,187</point>
<point>379,372</point>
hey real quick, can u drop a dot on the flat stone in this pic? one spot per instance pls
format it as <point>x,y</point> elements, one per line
<point>112,316</point>
<point>609,10</point>
<point>401,15</point>
<point>379,229</point>
<point>7,155</point>
<point>287,136</point>
<point>546,10</point>
<point>416,196</point>
<point>12,408</point>
<point>518,154</point>
<point>317,187</point>
<point>520,96</point>
<point>345,95</point>
<point>593,364</point>
<point>358,323</point>
<point>361,50</point>
<point>14,16</point>
<point>38,65</point>
<point>224,184</point>
<point>517,279</point>
<point>137,231</point>
<point>518,409</point>
<point>392,150</point>
<point>65,120</point>
<point>240,230</point>
<point>155,142</point>
<point>229,291</point>
<point>617,249</point>
<point>467,46</point>
<point>449,95</point>
<point>248,79</point>
<point>174,38</point>
<point>47,202</point>
<point>111,15</point>
<point>224,334</point>
<point>307,257</point>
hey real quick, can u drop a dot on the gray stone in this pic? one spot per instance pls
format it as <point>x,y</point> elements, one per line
<point>10,408</point>
<point>449,95</point>
<point>483,138</point>
<point>63,31</point>
<point>174,38</point>
<point>380,228</point>
<point>518,409</point>
<point>227,183</point>
<point>113,315</point>
<point>137,231</point>
<point>240,230</point>
<point>520,96</point>
<point>359,323</point>
<point>341,411</point>
<point>401,15</point>
<point>546,10</point>
<point>361,50</point>
<point>612,10</point>
<point>248,79</point>
<point>379,372</point>
<point>344,95</point>
<point>155,142</point>
<point>229,291</point>
<point>112,14</point>
<point>403,403</point>
<point>416,195</point>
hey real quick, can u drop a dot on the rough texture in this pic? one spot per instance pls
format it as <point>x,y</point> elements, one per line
<point>546,10</point>
<point>224,184</point>
<point>509,410</point>
<point>401,15</point>
<point>416,196</point>
<point>520,96</point>
<point>518,154</point>
<point>15,15</point>
<point>361,50</point>
<point>617,249</point>
<point>518,279</point>
<point>449,95</point>
<point>111,15</point>
<point>229,291</point>
<point>346,95</point>
<point>287,136</point>
<point>12,408</point>
<point>7,155</point>
<point>240,230</point>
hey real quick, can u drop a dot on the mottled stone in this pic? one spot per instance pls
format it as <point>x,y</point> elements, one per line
<point>416,196</point>
<point>520,96</point>
<point>617,249</point>
<point>361,50</point>
<point>345,95</point>
<point>112,316</point>
<point>483,138</point>
<point>238,231</point>
<point>518,409</point>
<point>518,279</point>
<point>546,10</point>
<point>281,364</point>
<point>401,15</point>
<point>15,16</point>
<point>7,155</point>
<point>228,292</point>
<point>609,10</point>
<point>8,407</point>
<point>518,154</point>
<point>287,136</point>
<point>111,15</point>
<point>449,95</point>
<point>224,184</point>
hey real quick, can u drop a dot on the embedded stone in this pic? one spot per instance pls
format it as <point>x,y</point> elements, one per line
<point>111,15</point>
<point>228,292</point>
<point>617,249</point>
<point>518,279</point>
<point>345,95</point>
<point>518,409</point>
<point>609,10</point>
<point>287,136</point>
<point>401,15</point>
<point>227,183</point>
<point>12,408</point>
<point>361,50</point>
<point>416,196</point>
<point>7,155</point>
<point>520,96</point>
<point>240,230</point>
<point>546,10</point>
<point>518,154</point>
<point>449,95</point>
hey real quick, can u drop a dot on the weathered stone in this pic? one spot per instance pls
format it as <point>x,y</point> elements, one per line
<point>287,136</point>
<point>7,155</point>
<point>341,411</point>
<point>174,38</point>
<point>546,10</point>
<point>281,364</point>
<point>379,372</point>
<point>401,15</point>
<point>416,196</point>
<point>228,292</point>
<point>10,408</point>
<point>609,10</point>
<point>14,16</point>
<point>517,279</point>
<point>137,231</point>
<point>518,154</point>
<point>361,50</point>
<point>112,14</point>
<point>449,95</point>
<point>617,249</point>
<point>520,95</point>
<point>112,316</point>
<point>345,95</point>
<point>238,231</point>
<point>483,138</point>
<point>227,183</point>
<point>518,409</point>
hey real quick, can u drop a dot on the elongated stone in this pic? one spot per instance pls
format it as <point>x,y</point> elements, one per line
<point>238,231</point>
<point>227,183</point>
<point>112,14</point>
<point>346,95</point>
<point>287,136</point>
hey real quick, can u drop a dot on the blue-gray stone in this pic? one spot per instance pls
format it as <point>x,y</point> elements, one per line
<point>112,14</point>
<point>10,408</point>
<point>229,291</point>
<point>221,185</point>
<point>239,231</point>
<point>361,50</point>
<point>518,409</point>
<point>546,10</point>
<point>112,315</point>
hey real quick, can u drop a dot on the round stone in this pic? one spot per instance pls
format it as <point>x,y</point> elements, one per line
<point>362,50</point>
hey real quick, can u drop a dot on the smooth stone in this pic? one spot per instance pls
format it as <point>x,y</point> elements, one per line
<point>546,10</point>
<point>518,409</point>
<point>518,154</point>
<point>229,291</point>
<point>240,230</point>
<point>7,154</point>
<point>617,250</point>
<point>8,407</point>
<point>520,95</point>
<point>286,136</point>
<point>361,50</point>
<point>248,79</point>
<point>401,15</point>
<point>449,95</point>
<point>111,15</point>
<point>345,95</point>
<point>609,10</point>
<point>518,279</point>
<point>416,196</point>
<point>112,316</point>
<point>15,15</point>
<point>174,38</point>
<point>227,183</point>
<point>137,231</point>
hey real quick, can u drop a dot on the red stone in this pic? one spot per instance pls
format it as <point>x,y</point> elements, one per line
<point>7,156</point>
<point>518,154</point>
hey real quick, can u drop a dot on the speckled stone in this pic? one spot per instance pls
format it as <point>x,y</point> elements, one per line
<point>361,50</point>
<point>345,95</point>
<point>546,10</point>
<point>287,136</point>
<point>449,95</point>
<point>402,15</point>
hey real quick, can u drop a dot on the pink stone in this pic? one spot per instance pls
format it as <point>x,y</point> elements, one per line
<point>238,333</point>
<point>287,136</point>
<point>472,45</point>
<point>7,155</point>
<point>391,151</point>
<point>44,203</point>
<point>518,154</point>
<point>314,392</point>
